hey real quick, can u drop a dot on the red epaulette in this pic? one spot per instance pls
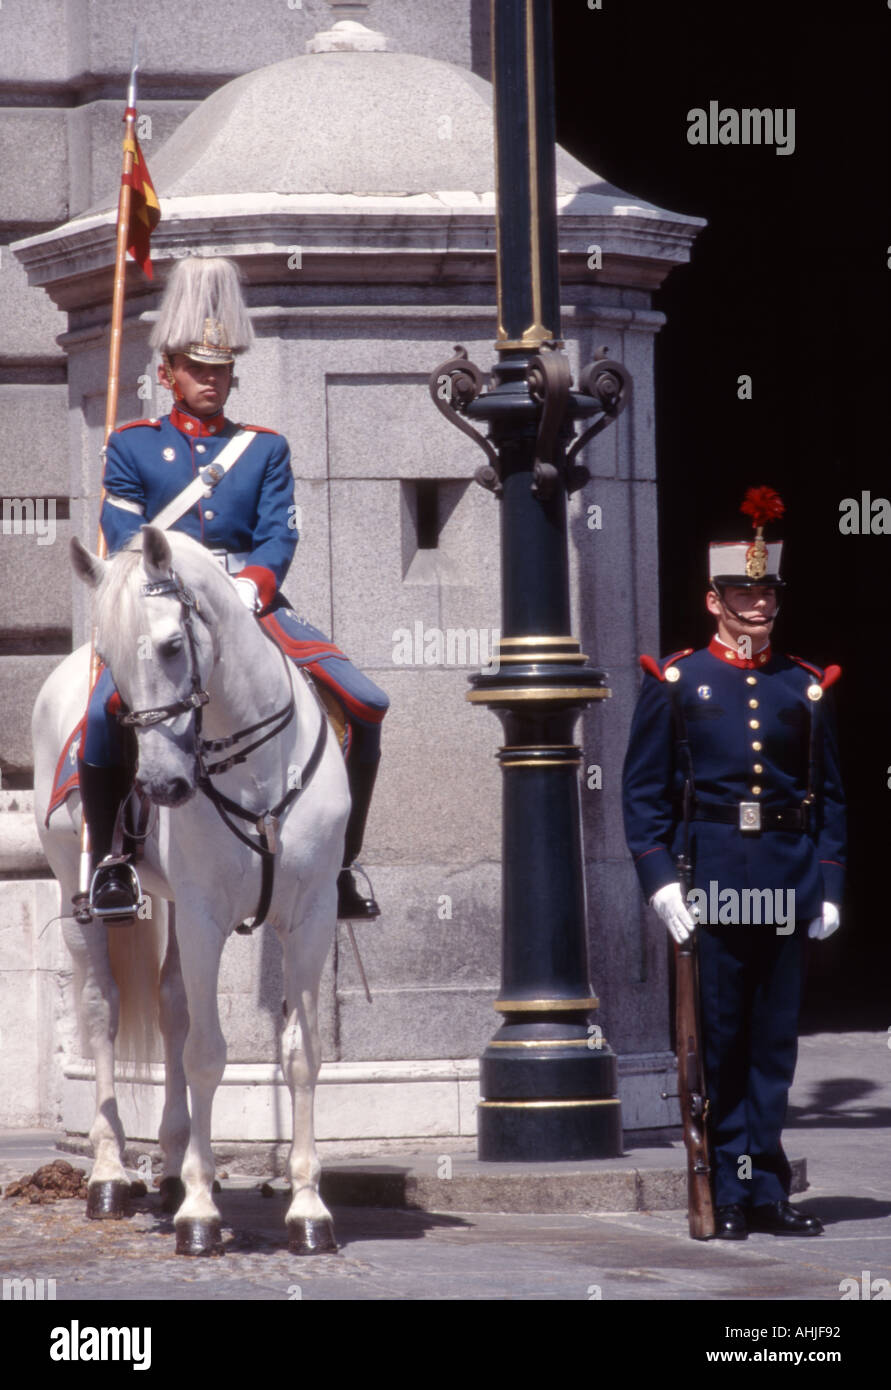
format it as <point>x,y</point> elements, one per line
<point>652,667</point>
<point>258,429</point>
<point>155,425</point>
<point>823,678</point>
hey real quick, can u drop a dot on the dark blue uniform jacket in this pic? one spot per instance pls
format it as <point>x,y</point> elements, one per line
<point>748,724</point>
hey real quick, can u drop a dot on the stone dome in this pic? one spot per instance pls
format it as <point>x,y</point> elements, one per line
<point>366,124</point>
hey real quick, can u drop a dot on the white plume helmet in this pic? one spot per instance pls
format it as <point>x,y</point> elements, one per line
<point>203,313</point>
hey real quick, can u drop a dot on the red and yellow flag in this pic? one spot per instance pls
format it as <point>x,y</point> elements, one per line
<point>145,210</point>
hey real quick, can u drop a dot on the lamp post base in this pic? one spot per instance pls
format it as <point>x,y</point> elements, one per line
<point>543,1131</point>
<point>550,1094</point>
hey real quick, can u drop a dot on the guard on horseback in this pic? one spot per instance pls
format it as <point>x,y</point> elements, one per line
<point>231,488</point>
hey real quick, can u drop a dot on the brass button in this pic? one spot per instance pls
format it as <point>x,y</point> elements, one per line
<point>751,680</point>
<point>200,448</point>
<point>754,724</point>
<point>753,704</point>
<point>756,791</point>
<point>757,768</point>
<point>209,515</point>
<point>756,747</point>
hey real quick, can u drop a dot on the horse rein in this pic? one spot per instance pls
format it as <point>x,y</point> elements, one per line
<point>267,823</point>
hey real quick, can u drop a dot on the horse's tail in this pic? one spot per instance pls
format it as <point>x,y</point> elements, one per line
<point>136,953</point>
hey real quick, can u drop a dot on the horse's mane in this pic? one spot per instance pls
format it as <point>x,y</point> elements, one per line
<point>120,619</point>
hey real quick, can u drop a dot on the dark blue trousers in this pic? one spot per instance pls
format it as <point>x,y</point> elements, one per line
<point>750,982</point>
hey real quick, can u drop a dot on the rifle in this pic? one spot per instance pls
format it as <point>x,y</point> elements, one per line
<point>691,1071</point>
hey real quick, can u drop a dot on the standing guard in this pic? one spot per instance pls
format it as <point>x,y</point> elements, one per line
<point>747,733</point>
<point>231,488</point>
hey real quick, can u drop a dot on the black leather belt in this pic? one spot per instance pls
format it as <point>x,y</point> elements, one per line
<point>769,817</point>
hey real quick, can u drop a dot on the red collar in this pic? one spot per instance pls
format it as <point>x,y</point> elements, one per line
<point>207,427</point>
<point>728,656</point>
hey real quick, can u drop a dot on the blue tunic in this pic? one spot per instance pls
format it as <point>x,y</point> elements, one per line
<point>732,762</point>
<point>251,511</point>
<point>250,514</point>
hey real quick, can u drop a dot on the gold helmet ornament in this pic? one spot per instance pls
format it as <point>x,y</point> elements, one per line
<point>203,314</point>
<point>746,563</point>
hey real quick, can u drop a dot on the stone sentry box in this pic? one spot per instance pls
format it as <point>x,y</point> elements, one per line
<point>367,250</point>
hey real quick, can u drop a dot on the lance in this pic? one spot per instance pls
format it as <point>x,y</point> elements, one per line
<point>81,901</point>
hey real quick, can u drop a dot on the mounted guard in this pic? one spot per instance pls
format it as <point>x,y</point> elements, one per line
<point>229,487</point>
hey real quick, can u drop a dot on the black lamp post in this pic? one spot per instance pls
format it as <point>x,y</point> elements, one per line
<point>548,1079</point>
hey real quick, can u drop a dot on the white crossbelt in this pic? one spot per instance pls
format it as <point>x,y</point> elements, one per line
<point>208,478</point>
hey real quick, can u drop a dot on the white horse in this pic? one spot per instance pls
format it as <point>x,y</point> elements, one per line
<point>176,646</point>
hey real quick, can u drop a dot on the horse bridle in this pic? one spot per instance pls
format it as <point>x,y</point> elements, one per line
<point>266,824</point>
<point>145,718</point>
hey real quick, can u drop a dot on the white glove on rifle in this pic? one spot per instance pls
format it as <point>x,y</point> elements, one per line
<point>669,904</point>
<point>248,593</point>
<point>824,926</point>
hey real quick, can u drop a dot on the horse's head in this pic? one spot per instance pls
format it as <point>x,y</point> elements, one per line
<point>153,637</point>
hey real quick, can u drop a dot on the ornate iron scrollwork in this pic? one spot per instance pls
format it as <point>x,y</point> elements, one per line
<point>608,383</point>
<point>604,389</point>
<point>453,386</point>
<point>549,381</point>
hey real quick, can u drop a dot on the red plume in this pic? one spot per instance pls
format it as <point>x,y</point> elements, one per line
<point>762,504</point>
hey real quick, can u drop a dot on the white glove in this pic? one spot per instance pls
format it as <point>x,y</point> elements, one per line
<point>670,905</point>
<point>248,593</point>
<point>824,926</point>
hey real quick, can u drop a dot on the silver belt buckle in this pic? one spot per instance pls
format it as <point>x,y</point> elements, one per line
<point>750,816</point>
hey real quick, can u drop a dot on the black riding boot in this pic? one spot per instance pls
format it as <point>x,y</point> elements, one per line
<point>350,902</point>
<point>114,894</point>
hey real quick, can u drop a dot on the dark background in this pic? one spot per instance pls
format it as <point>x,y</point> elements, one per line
<point>789,284</point>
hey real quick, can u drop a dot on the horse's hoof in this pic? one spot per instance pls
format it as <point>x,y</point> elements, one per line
<point>107,1201</point>
<point>173,1194</point>
<point>309,1237</point>
<point>197,1237</point>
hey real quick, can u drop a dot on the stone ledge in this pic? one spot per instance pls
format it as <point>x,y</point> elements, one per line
<point>641,1180</point>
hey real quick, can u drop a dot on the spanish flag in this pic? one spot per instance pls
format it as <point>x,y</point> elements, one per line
<point>145,210</point>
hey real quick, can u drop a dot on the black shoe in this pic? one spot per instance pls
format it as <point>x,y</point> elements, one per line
<point>781,1219</point>
<point>351,906</point>
<point>114,891</point>
<point>730,1222</point>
